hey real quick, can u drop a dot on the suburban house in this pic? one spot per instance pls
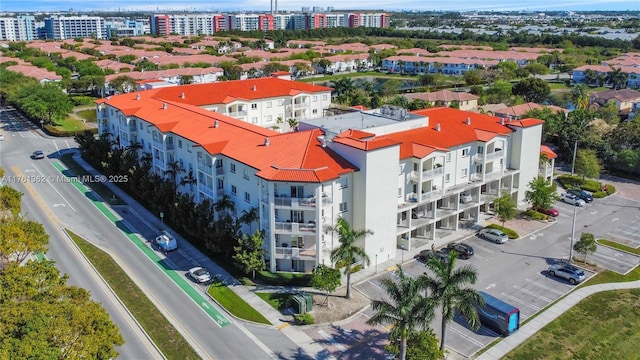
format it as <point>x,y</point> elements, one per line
<point>405,64</point>
<point>465,100</point>
<point>518,111</point>
<point>624,99</point>
<point>580,74</point>
<point>409,177</point>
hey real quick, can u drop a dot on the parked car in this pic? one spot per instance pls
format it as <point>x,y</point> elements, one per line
<point>464,251</point>
<point>550,211</point>
<point>38,154</point>
<point>200,274</point>
<point>493,235</point>
<point>1,137</point>
<point>571,199</point>
<point>582,194</point>
<point>166,242</point>
<point>568,272</point>
<point>424,255</point>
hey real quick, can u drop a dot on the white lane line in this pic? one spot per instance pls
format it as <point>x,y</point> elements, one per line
<point>50,184</point>
<point>467,337</point>
<point>525,303</point>
<point>529,292</point>
<point>549,288</point>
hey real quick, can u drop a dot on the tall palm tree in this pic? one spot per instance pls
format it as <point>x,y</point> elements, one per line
<point>407,310</point>
<point>345,254</point>
<point>580,96</point>
<point>448,288</point>
<point>174,169</point>
<point>249,216</point>
<point>224,203</point>
<point>590,76</point>
<point>617,78</point>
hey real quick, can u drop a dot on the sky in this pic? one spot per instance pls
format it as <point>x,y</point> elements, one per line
<point>295,5</point>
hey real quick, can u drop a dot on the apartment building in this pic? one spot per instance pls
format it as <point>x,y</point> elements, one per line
<point>399,174</point>
<point>188,25</point>
<point>20,28</point>
<point>70,27</point>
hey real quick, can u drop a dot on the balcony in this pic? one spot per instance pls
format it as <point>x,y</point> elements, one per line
<point>301,202</point>
<point>479,158</point>
<point>219,170</point>
<point>295,228</point>
<point>170,146</point>
<point>204,167</point>
<point>237,114</point>
<point>158,143</point>
<point>431,195</point>
<point>493,175</point>
<point>494,155</point>
<point>206,190</point>
<point>295,253</point>
<point>429,174</point>
<point>132,128</point>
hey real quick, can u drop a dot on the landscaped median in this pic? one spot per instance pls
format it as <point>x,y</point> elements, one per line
<point>164,335</point>
<point>233,303</point>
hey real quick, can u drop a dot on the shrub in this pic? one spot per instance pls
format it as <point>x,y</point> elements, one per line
<point>510,233</point>
<point>305,319</point>
<point>82,100</point>
<point>285,278</point>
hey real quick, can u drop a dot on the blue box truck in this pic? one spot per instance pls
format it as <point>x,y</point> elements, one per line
<point>498,315</point>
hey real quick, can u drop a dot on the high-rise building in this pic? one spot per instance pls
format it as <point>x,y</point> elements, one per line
<point>21,28</point>
<point>70,27</point>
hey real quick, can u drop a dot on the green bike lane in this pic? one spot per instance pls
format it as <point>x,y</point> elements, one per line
<point>140,243</point>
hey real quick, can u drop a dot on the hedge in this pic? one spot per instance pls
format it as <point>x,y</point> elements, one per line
<point>510,233</point>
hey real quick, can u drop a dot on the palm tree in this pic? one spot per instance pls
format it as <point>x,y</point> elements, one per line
<point>617,78</point>
<point>447,288</point>
<point>224,203</point>
<point>580,96</point>
<point>345,254</point>
<point>407,310</point>
<point>249,216</point>
<point>174,169</point>
<point>590,76</point>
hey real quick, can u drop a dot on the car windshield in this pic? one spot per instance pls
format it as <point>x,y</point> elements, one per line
<point>201,272</point>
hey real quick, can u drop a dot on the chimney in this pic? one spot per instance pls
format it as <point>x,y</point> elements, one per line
<point>164,106</point>
<point>137,96</point>
<point>468,122</point>
<point>253,88</point>
<point>216,124</point>
<point>501,121</point>
<point>438,127</point>
<point>323,143</point>
<point>181,95</point>
<point>267,142</point>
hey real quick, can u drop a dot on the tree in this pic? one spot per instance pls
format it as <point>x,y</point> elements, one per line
<point>532,90</point>
<point>421,345</point>
<point>407,309</point>
<point>448,288</point>
<point>249,216</point>
<point>123,84</point>
<point>505,207</point>
<point>586,245</point>
<point>174,169</point>
<point>325,279</point>
<point>587,164</point>
<point>617,78</point>
<point>540,193</point>
<point>250,253</point>
<point>344,255</point>
<point>580,96</point>
<point>42,317</point>
<point>19,238</point>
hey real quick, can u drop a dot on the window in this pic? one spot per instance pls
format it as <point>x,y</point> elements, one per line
<point>247,197</point>
<point>254,106</point>
<point>399,192</point>
<point>245,174</point>
<point>140,125</point>
<point>447,178</point>
<point>448,157</point>
<point>465,152</point>
<point>268,118</point>
<point>464,172</point>
<point>297,241</point>
<point>281,102</point>
<point>314,98</point>
<point>480,149</point>
<point>254,119</point>
<point>314,111</point>
<point>343,207</point>
<point>269,104</point>
<point>325,97</point>
<point>179,144</point>
<point>218,163</point>
<point>233,189</point>
<point>344,183</point>
<point>233,168</point>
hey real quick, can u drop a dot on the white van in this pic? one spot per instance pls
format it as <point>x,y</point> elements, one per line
<point>166,241</point>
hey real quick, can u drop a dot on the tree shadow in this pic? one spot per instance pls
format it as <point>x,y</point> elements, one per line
<point>356,344</point>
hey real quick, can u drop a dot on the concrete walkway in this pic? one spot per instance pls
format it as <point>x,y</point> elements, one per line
<point>307,344</point>
<point>529,329</point>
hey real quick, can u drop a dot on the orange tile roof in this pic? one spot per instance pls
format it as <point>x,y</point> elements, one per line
<point>295,156</point>
<point>544,149</point>
<point>525,122</point>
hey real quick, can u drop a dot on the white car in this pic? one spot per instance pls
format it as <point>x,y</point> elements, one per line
<point>200,274</point>
<point>493,235</point>
<point>569,198</point>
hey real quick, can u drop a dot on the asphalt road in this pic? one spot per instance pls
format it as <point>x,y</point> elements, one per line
<point>64,206</point>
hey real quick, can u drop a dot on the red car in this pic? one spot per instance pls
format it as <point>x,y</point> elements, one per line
<point>551,211</point>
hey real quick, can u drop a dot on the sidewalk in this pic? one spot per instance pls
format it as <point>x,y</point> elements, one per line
<point>301,339</point>
<point>511,342</point>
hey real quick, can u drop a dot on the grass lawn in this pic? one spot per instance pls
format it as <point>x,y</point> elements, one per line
<point>277,300</point>
<point>602,326</point>
<point>166,337</point>
<point>619,246</point>
<point>234,304</point>
<point>69,124</point>
<point>99,188</point>
<point>89,115</point>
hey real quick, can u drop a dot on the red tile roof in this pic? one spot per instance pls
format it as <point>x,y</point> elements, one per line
<point>295,156</point>
<point>544,149</point>
<point>525,122</point>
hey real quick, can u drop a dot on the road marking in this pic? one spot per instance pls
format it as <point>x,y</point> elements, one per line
<point>469,338</point>
<point>614,219</point>
<point>529,292</point>
<point>54,189</point>
<point>490,286</point>
<point>332,341</point>
<point>549,288</point>
<point>525,303</point>
<point>60,204</point>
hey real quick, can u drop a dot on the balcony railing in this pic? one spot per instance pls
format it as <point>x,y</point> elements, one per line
<point>204,167</point>
<point>206,190</point>
<point>237,113</point>
<point>219,170</point>
<point>478,158</point>
<point>430,195</point>
<point>295,228</point>
<point>301,202</point>
<point>295,253</point>
<point>158,144</point>
<point>494,155</point>
<point>433,173</point>
<point>493,175</point>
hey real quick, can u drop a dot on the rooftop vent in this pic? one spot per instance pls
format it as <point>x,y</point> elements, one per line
<point>181,95</point>
<point>438,127</point>
<point>216,124</point>
<point>254,88</point>
<point>164,106</point>
<point>501,121</point>
<point>323,142</point>
<point>468,122</point>
<point>137,96</point>
<point>267,142</point>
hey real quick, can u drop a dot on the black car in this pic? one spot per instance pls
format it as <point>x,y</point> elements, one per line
<point>581,194</point>
<point>424,255</point>
<point>464,251</point>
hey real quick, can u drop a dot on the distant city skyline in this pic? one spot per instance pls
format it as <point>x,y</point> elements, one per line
<point>292,5</point>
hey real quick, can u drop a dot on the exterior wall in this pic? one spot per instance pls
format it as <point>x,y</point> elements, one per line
<point>524,155</point>
<point>75,26</point>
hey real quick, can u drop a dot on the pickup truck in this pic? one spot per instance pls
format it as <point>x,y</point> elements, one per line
<point>166,242</point>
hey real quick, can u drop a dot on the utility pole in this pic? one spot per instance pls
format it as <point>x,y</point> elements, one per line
<point>575,150</point>
<point>573,233</point>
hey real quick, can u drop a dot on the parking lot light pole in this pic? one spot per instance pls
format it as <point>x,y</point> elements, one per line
<point>376,264</point>
<point>162,217</point>
<point>402,247</point>
<point>573,233</point>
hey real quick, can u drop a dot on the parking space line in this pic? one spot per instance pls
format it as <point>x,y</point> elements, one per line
<point>546,287</point>
<point>529,292</point>
<point>536,308</point>
<point>469,338</point>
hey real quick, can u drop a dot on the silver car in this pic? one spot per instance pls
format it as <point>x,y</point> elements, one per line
<point>568,272</point>
<point>572,199</point>
<point>493,235</point>
<point>200,274</point>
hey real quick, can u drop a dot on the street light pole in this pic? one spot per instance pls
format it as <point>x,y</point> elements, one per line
<point>573,234</point>
<point>376,264</point>
<point>162,217</point>
<point>573,163</point>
